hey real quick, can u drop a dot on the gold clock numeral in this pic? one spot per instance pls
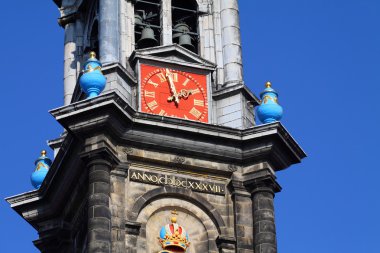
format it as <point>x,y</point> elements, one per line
<point>150,94</point>
<point>195,91</point>
<point>195,112</point>
<point>199,102</point>
<point>162,113</point>
<point>153,83</point>
<point>162,77</point>
<point>186,82</point>
<point>153,105</point>
<point>175,77</point>
<point>185,117</point>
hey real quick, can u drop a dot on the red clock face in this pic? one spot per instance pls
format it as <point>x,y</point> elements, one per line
<point>173,93</point>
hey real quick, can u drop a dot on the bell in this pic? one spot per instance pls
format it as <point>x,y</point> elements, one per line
<point>138,19</point>
<point>185,41</point>
<point>182,28</point>
<point>147,38</point>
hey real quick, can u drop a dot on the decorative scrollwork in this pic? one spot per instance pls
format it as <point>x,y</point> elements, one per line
<point>179,159</point>
<point>128,150</point>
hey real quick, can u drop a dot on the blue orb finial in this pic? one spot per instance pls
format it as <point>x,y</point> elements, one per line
<point>269,110</point>
<point>43,164</point>
<point>92,81</point>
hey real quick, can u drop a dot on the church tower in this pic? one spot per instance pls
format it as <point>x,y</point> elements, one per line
<point>166,157</point>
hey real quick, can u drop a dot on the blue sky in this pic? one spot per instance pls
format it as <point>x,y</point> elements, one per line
<point>323,57</point>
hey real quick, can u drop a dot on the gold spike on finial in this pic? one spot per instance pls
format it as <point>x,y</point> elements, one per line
<point>92,55</point>
<point>268,84</point>
<point>174,218</point>
<point>43,153</point>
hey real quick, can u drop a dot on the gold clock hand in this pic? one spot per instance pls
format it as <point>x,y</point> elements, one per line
<point>168,75</point>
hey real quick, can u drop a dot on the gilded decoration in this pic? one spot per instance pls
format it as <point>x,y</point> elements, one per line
<point>173,237</point>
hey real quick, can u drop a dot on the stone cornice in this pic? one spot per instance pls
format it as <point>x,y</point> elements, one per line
<point>110,113</point>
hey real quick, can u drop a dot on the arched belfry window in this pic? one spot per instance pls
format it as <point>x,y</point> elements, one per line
<point>185,24</point>
<point>91,42</point>
<point>147,23</point>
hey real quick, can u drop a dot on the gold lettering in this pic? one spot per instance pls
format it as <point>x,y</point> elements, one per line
<point>199,102</point>
<point>195,91</point>
<point>195,112</point>
<point>154,179</point>
<point>153,105</point>
<point>175,77</point>
<point>162,77</point>
<point>153,83</point>
<point>162,113</point>
<point>150,94</point>
<point>140,176</point>
<point>161,180</point>
<point>134,175</point>
<point>186,82</point>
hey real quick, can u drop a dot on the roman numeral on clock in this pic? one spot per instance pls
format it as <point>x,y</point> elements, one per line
<point>199,102</point>
<point>162,77</point>
<point>153,83</point>
<point>152,105</point>
<point>195,91</point>
<point>186,82</point>
<point>162,113</point>
<point>150,94</point>
<point>195,112</point>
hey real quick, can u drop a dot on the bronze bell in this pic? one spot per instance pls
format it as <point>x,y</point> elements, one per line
<point>147,38</point>
<point>138,19</point>
<point>185,41</point>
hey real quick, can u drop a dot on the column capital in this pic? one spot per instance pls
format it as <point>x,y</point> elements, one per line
<point>262,180</point>
<point>68,19</point>
<point>100,148</point>
<point>237,187</point>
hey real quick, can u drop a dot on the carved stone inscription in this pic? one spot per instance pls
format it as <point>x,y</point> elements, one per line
<point>176,181</point>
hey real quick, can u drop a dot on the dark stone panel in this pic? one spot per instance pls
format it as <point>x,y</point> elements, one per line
<point>98,199</point>
<point>265,203</point>
<point>101,235</point>
<point>265,238</point>
<point>266,248</point>
<point>100,187</point>
<point>99,176</point>
<point>99,223</point>
<point>102,212</point>
<point>264,215</point>
<point>265,226</point>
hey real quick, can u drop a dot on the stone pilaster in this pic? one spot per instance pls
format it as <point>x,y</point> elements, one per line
<point>263,187</point>
<point>69,62</point>
<point>118,176</point>
<point>132,232</point>
<point>108,31</point>
<point>99,213</point>
<point>226,244</point>
<point>243,217</point>
<point>166,19</point>
<point>231,42</point>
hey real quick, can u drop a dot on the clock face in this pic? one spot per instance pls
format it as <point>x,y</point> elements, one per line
<point>173,93</point>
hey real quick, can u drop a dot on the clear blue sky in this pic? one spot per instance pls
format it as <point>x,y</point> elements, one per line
<point>322,56</point>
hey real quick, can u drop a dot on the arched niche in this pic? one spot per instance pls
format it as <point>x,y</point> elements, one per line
<point>202,231</point>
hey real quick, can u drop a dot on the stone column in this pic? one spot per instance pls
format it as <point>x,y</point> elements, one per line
<point>70,65</point>
<point>108,31</point>
<point>166,19</point>
<point>232,55</point>
<point>263,187</point>
<point>243,217</point>
<point>99,213</point>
